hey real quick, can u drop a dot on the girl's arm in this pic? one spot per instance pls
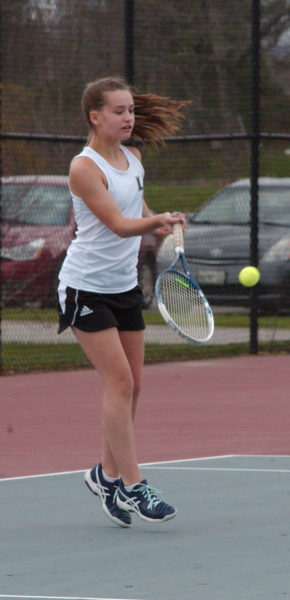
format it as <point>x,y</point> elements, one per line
<point>147,212</point>
<point>89,183</point>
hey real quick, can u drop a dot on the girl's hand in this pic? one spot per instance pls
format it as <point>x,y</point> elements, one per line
<point>169,221</point>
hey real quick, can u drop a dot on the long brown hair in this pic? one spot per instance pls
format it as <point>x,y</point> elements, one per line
<point>155,116</point>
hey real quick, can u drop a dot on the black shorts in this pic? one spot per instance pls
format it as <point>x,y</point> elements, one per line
<point>89,311</point>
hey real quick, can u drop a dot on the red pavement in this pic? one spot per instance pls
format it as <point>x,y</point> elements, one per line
<point>50,422</point>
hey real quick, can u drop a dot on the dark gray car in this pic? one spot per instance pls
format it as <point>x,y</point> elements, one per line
<point>217,244</point>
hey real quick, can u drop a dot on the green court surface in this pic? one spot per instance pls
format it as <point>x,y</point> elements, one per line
<point>229,540</point>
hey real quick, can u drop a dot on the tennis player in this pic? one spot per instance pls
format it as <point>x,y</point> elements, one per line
<point>98,293</point>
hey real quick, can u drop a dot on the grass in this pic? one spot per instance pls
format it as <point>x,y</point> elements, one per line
<point>179,352</point>
<point>26,358</point>
<point>229,320</point>
<point>187,198</point>
<point>29,357</point>
<point>274,160</point>
<point>151,317</point>
<point>26,313</point>
<point>33,358</point>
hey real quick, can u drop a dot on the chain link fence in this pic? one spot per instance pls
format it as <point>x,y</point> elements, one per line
<point>232,62</point>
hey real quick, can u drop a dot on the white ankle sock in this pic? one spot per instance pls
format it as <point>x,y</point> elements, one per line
<point>129,488</point>
<point>107,478</point>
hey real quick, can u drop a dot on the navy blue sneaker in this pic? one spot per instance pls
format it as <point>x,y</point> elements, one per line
<point>107,493</point>
<point>145,501</point>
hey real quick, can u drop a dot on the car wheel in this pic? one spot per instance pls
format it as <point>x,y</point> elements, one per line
<point>146,278</point>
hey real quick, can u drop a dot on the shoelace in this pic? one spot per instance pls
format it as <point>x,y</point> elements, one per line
<point>150,494</point>
<point>115,494</point>
<point>108,493</point>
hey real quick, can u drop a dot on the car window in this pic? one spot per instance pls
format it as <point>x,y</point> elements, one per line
<point>36,204</point>
<point>233,206</point>
<point>275,206</point>
<point>229,206</point>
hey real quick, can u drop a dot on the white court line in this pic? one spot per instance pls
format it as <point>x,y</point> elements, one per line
<point>153,465</point>
<point>41,475</point>
<point>220,469</point>
<point>181,460</point>
<point>58,597</point>
<point>165,462</point>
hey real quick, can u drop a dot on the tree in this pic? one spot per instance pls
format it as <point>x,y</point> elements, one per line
<point>198,50</point>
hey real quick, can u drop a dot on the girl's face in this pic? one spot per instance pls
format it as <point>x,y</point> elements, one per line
<point>115,120</point>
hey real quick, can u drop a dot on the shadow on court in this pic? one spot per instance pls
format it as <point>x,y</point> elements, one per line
<point>229,541</point>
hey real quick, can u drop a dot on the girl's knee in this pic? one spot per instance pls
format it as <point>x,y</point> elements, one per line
<point>136,390</point>
<point>124,384</point>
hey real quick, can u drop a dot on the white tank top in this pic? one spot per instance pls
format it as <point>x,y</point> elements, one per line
<point>97,259</point>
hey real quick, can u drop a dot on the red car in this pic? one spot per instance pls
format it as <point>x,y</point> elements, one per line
<point>37,227</point>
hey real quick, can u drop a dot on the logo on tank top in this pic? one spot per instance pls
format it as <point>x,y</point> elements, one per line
<point>140,183</point>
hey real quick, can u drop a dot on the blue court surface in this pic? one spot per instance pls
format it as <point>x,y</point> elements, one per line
<point>229,541</point>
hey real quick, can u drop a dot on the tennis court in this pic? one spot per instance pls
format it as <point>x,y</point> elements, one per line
<point>214,435</point>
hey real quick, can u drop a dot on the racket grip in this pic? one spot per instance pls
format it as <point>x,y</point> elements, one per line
<point>177,234</point>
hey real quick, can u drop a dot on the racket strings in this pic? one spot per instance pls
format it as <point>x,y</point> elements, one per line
<point>185,305</point>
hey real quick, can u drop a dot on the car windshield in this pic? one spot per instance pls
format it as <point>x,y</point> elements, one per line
<point>35,204</point>
<point>233,206</point>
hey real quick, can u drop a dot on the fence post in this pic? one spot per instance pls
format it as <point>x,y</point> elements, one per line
<point>254,243</point>
<point>129,40</point>
<point>1,175</point>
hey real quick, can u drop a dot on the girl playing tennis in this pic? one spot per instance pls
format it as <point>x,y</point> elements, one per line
<point>98,292</point>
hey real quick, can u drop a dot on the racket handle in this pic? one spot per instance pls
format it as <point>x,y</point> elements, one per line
<point>177,235</point>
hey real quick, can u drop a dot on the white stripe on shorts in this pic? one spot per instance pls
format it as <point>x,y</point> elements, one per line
<point>62,294</point>
<point>77,307</point>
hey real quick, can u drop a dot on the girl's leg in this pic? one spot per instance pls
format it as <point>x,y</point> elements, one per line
<point>106,352</point>
<point>133,345</point>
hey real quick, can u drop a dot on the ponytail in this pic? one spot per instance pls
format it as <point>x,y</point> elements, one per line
<point>155,116</point>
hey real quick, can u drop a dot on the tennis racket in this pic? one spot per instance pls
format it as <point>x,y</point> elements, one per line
<point>180,300</point>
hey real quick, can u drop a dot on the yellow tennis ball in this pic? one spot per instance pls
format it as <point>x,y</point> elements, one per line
<point>249,276</point>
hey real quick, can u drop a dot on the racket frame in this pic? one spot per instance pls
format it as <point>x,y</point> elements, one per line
<point>180,256</point>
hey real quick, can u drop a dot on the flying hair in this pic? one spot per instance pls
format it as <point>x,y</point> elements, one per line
<point>156,117</point>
